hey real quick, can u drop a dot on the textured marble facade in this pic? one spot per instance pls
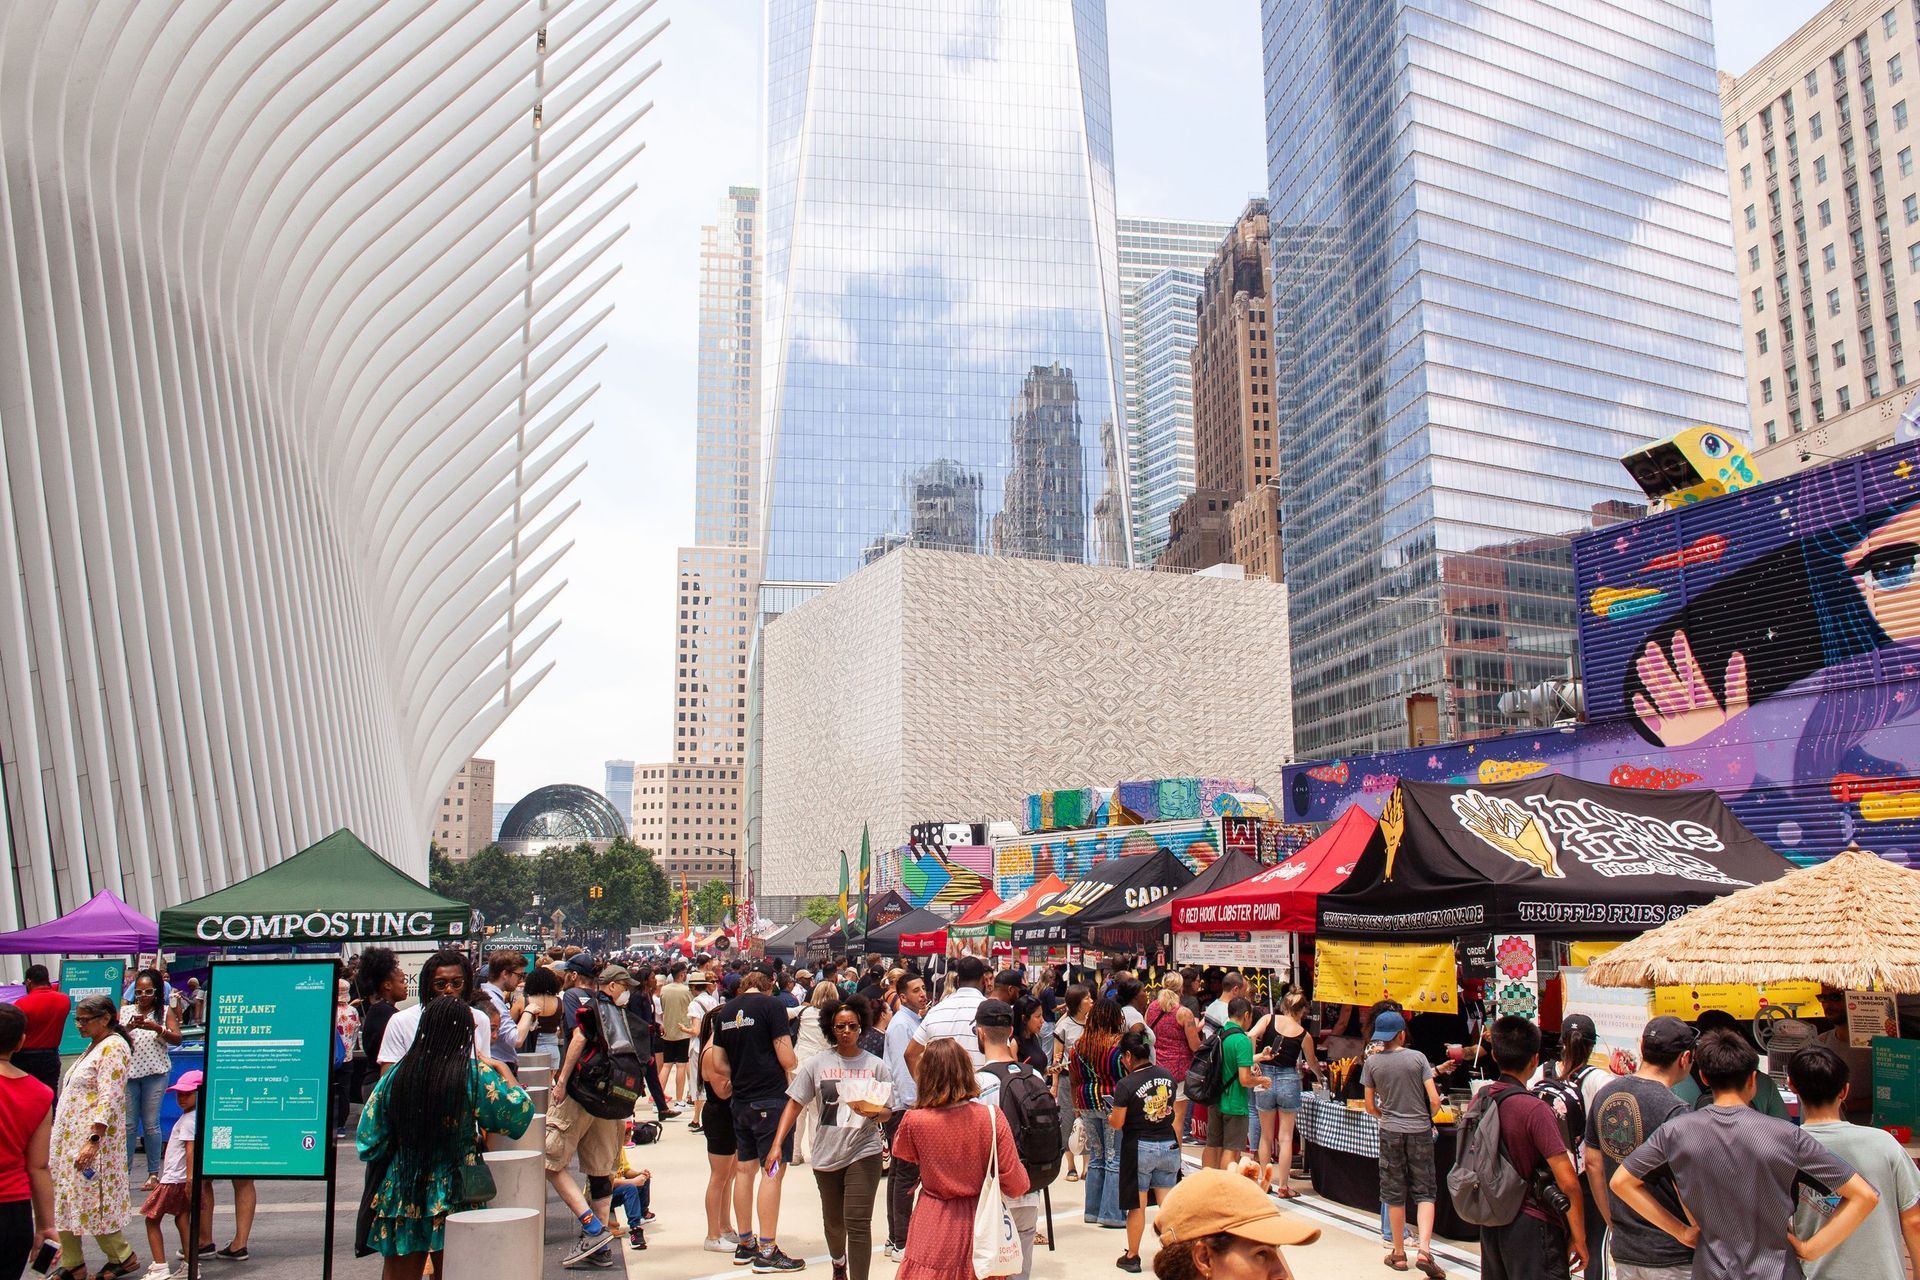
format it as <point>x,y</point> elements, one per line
<point>932,684</point>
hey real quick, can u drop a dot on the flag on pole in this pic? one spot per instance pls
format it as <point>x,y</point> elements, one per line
<point>686,901</point>
<point>845,913</point>
<point>857,924</point>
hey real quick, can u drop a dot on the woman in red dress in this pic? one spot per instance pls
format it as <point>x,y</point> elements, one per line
<point>946,1124</point>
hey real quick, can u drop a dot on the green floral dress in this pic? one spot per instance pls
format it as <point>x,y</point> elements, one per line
<point>411,1207</point>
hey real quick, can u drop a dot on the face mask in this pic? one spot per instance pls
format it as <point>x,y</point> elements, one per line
<point>622,998</point>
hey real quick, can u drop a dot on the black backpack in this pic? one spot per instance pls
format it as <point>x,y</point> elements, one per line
<point>1487,1190</point>
<point>1034,1116</point>
<point>1569,1103</point>
<point>1206,1074</point>
<point>610,1077</point>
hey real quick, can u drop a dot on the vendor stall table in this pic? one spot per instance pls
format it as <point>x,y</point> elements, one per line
<point>1343,1160</point>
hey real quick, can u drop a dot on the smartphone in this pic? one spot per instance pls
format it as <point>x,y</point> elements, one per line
<point>773,1170</point>
<point>43,1260</point>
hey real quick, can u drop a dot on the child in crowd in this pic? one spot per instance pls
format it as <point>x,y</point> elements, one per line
<point>173,1197</point>
<point>633,1192</point>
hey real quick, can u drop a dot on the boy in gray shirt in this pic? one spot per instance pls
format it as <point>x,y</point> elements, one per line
<point>1400,1091</point>
<point>1821,1078</point>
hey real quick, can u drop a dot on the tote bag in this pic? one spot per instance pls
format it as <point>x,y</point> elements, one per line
<point>996,1242</point>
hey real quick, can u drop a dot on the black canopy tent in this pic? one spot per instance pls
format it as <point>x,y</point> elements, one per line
<point>1152,925</point>
<point>1545,855</point>
<point>885,940</point>
<point>1110,890</point>
<point>790,942</point>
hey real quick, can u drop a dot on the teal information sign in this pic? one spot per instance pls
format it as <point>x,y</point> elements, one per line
<point>269,1051</point>
<point>82,978</point>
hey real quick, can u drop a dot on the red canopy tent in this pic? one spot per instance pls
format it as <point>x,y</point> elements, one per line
<point>1282,898</point>
<point>934,942</point>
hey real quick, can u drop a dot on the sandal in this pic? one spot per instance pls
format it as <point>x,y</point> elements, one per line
<point>1073,1175</point>
<point>1286,1193</point>
<point>1398,1261</point>
<point>1425,1264</point>
<point>129,1266</point>
<point>70,1273</point>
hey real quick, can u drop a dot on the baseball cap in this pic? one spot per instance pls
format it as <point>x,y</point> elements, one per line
<point>993,1013</point>
<point>1213,1201</point>
<point>188,1082</point>
<point>1578,1026</point>
<point>1667,1035</point>
<point>615,973</point>
<point>1009,978</point>
<point>1388,1025</point>
<point>730,983</point>
<point>580,964</point>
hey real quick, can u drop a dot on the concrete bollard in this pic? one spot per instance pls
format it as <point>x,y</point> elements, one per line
<point>538,1094</point>
<point>531,1074</point>
<point>534,1139</point>
<point>493,1242</point>
<point>521,1177</point>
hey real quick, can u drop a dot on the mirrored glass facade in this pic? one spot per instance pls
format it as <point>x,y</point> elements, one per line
<point>1502,258</point>
<point>942,304</point>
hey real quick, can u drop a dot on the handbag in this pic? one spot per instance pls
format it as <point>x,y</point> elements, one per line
<point>475,1184</point>
<point>996,1241</point>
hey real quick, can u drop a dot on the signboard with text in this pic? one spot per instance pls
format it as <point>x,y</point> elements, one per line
<point>269,1052</point>
<point>82,978</point>
<point>1239,948</point>
<point>1419,975</point>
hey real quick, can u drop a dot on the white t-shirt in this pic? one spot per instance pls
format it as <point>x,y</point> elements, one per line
<point>175,1169</point>
<point>952,1019</point>
<point>405,1025</point>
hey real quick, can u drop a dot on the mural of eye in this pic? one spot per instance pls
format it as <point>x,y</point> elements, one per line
<point>1712,445</point>
<point>1890,568</point>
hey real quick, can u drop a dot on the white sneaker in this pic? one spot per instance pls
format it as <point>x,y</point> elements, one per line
<point>894,1253</point>
<point>722,1245</point>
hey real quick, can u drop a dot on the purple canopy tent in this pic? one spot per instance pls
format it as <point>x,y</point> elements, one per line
<point>102,925</point>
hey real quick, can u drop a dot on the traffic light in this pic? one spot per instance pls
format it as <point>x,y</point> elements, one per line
<point>596,892</point>
<point>726,900</point>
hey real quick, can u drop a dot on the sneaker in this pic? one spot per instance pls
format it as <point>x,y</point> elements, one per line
<point>773,1262</point>
<point>603,1260</point>
<point>743,1253</point>
<point>1129,1262</point>
<point>839,1269</point>
<point>639,1241</point>
<point>721,1245</point>
<point>589,1245</point>
<point>231,1254</point>
<point>894,1252</point>
<point>648,1216</point>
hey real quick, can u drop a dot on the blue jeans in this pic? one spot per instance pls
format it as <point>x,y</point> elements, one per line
<point>634,1201</point>
<point>1103,1172</point>
<point>144,1096</point>
<point>1159,1165</point>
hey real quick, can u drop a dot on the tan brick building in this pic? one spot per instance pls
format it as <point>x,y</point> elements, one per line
<point>463,820</point>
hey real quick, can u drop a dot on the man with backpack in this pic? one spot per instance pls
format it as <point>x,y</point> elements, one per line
<point>1223,1068</point>
<point>594,1091</point>
<point>1149,1148</point>
<point>1513,1176</point>
<point>1027,1100</point>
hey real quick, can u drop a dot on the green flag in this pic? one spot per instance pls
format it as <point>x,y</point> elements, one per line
<point>858,928</point>
<point>845,910</point>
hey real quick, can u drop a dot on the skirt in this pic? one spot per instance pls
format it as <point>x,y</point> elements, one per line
<point>172,1199</point>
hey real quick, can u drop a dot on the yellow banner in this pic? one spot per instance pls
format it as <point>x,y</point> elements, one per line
<point>1582,954</point>
<point>1420,976</point>
<point>1738,999</point>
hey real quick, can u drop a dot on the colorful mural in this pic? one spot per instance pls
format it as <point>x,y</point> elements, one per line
<point>1765,644</point>
<point>1021,860</point>
<point>1134,803</point>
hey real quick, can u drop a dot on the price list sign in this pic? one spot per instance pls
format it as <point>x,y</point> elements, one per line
<point>269,1051</point>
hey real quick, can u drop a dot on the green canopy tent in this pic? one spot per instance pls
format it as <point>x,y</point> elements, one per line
<point>337,891</point>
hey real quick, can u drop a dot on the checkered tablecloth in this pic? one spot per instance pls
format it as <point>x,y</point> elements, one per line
<point>1328,1122</point>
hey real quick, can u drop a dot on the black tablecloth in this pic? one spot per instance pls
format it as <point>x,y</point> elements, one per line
<point>1343,1161</point>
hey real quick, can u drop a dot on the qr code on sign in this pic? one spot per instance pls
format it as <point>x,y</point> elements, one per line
<point>223,1137</point>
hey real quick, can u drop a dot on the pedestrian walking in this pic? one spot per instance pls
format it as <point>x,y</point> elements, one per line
<point>1176,1037</point>
<point>1227,1127</point>
<point>952,1141</point>
<point>952,1018</point>
<point>1096,1071</point>
<point>1626,1110</point>
<point>676,998</point>
<point>1067,1030</point>
<point>423,1121</point>
<point>1399,1091</point>
<point>903,1176</point>
<point>843,1087</point>
<point>150,1029</point>
<point>173,1197</point>
<point>90,1193</point>
<point>810,1037</point>
<point>1143,1115</point>
<point>1888,1242</point>
<point>751,1057</point>
<point>45,1008</point>
<point>1543,1240</point>
<point>601,1043</point>
<point>26,1132</point>
<point>1285,1052</point>
<point>716,1129</point>
<point>1218,1226</point>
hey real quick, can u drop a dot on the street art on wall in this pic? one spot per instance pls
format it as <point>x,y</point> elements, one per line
<point>1765,645</point>
<point>1021,860</point>
<point>1136,803</point>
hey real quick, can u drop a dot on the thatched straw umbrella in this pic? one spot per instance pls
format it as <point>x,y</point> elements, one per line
<point>1852,924</point>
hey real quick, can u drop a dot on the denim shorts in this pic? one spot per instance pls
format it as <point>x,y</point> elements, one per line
<point>1159,1164</point>
<point>1283,1094</point>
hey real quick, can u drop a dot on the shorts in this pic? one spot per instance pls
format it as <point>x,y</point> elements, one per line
<point>1158,1163</point>
<point>754,1124</point>
<point>571,1132</point>
<point>1283,1094</point>
<point>1635,1271</point>
<point>716,1125</point>
<point>1406,1169</point>
<point>172,1199</point>
<point>1227,1133</point>
<point>674,1050</point>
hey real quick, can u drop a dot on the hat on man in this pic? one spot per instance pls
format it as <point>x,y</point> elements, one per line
<point>699,978</point>
<point>1667,1036</point>
<point>730,984</point>
<point>615,973</point>
<point>993,1013</point>
<point>1388,1025</point>
<point>1213,1201</point>
<point>581,964</point>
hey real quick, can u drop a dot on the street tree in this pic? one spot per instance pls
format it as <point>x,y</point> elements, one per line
<point>820,910</point>
<point>710,903</point>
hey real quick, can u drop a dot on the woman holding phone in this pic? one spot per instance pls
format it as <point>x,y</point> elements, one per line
<point>151,1029</point>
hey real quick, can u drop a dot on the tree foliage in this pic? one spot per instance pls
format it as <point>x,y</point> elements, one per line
<point>632,888</point>
<point>710,903</point>
<point>821,910</point>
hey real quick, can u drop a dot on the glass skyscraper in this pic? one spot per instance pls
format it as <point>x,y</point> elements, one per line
<point>1162,265</point>
<point>942,336</point>
<point>1501,259</point>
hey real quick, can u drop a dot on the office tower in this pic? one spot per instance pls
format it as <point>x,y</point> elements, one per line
<point>286,416</point>
<point>1161,261</point>
<point>619,788</point>
<point>465,812</point>
<point>727,422</point>
<point>939,225</point>
<point>1501,259</point>
<point>943,506</point>
<point>1044,516</point>
<point>1826,233</point>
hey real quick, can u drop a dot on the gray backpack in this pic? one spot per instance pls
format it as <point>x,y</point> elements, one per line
<point>1486,1189</point>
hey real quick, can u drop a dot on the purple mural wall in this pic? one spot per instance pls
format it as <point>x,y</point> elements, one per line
<point>1765,645</point>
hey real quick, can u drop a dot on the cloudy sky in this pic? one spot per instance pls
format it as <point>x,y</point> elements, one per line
<point>1188,125</point>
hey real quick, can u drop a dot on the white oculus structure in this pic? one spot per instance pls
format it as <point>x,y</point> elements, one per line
<point>295,314</point>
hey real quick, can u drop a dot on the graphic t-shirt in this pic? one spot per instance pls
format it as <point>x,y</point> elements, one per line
<point>1876,1247</point>
<point>1743,1220</point>
<point>843,1135</point>
<point>1147,1096</point>
<point>1398,1078</point>
<point>749,1027</point>
<point>1236,1051</point>
<point>1619,1119</point>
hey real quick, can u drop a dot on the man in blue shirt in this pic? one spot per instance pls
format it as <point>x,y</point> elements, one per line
<point>904,1178</point>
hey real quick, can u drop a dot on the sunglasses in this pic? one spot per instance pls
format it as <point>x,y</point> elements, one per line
<point>449,984</point>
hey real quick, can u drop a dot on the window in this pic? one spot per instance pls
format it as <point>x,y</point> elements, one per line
<point>1813,82</point>
<point>1833,302</point>
<point>1826,214</point>
<point>1906,161</point>
<point>1873,386</point>
<point>1742,131</point>
<point>1753,218</point>
<point>1911,207</point>
<point>1846,399</point>
<point>1753,257</point>
<point>1894,71</point>
<point>1793,420</point>
<point>1840,354</point>
<point>1773,432</point>
<point>1819,168</point>
<point>1819,409</point>
<point>1746,177</point>
<point>1814,126</point>
<point>1900,115</point>
<point>1760,340</point>
<point>1890,21</point>
<point>1827,258</point>
<point>1766,391</point>
<point>1913,257</point>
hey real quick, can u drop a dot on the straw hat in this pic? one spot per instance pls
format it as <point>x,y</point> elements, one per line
<point>1852,923</point>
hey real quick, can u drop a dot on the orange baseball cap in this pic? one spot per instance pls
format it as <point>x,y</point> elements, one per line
<point>1213,1201</point>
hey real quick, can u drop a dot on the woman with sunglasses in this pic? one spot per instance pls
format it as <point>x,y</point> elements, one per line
<point>151,1028</point>
<point>89,1146</point>
<point>847,1142</point>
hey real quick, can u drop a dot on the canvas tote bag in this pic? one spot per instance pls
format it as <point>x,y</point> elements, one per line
<point>996,1242</point>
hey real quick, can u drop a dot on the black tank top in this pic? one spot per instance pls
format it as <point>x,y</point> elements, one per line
<point>1286,1049</point>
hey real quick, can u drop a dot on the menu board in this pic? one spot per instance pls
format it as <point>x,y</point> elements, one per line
<point>1737,998</point>
<point>269,1053</point>
<point>1896,1082</point>
<point>1870,1014</point>
<point>1239,948</point>
<point>1419,975</point>
<point>82,978</point>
